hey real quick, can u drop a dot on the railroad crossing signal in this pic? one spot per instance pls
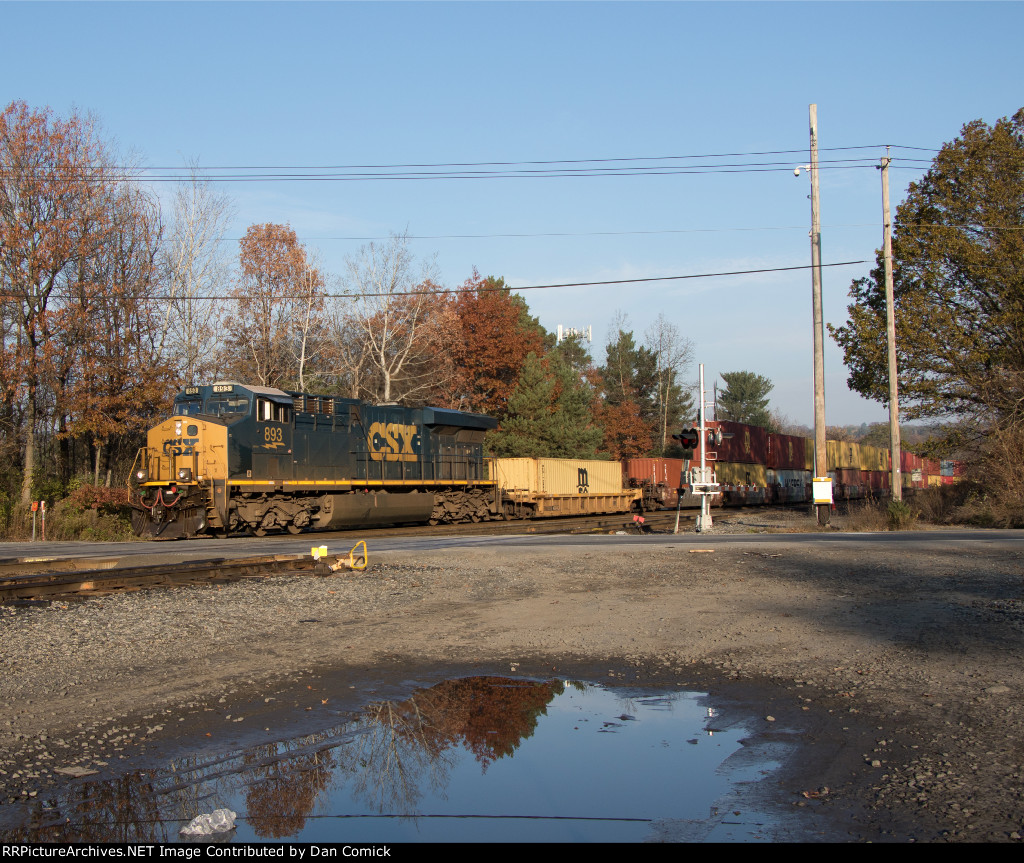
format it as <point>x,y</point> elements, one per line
<point>688,438</point>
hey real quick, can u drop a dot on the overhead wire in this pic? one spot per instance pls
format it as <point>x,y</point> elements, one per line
<point>439,291</point>
<point>660,231</point>
<point>554,168</point>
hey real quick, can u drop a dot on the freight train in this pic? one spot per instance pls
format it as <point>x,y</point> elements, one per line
<point>234,458</point>
<point>238,458</point>
<point>754,466</point>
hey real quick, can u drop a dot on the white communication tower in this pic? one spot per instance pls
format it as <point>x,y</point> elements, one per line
<point>581,333</point>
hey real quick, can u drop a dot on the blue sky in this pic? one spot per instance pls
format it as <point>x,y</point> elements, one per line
<point>315,84</point>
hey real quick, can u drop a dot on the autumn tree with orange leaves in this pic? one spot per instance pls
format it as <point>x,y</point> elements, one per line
<point>116,379</point>
<point>77,241</point>
<point>491,345</point>
<point>275,329</point>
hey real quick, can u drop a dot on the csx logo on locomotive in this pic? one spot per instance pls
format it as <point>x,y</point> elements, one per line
<point>392,442</point>
<point>180,446</point>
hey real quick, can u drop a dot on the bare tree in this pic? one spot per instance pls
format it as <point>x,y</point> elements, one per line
<point>395,312</point>
<point>309,332</point>
<point>674,354</point>
<point>195,261</point>
<point>349,351</point>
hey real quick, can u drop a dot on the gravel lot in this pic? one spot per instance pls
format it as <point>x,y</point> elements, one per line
<point>903,670</point>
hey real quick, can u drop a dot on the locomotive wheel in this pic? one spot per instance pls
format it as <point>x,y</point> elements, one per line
<point>140,522</point>
<point>259,531</point>
<point>294,529</point>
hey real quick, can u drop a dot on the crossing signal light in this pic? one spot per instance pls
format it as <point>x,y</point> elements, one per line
<point>688,438</point>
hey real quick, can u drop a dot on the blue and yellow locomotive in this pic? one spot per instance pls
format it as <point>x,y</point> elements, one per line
<point>233,457</point>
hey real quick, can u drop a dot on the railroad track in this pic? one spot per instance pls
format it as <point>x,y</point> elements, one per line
<point>83,583</point>
<point>29,581</point>
<point>569,525</point>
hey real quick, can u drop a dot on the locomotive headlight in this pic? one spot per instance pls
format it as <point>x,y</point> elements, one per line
<point>184,474</point>
<point>142,475</point>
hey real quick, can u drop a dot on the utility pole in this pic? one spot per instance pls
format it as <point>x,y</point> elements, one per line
<point>896,480</point>
<point>820,450</point>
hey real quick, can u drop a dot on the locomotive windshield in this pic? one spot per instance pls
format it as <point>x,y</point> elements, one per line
<point>223,404</point>
<point>187,407</point>
<point>227,406</point>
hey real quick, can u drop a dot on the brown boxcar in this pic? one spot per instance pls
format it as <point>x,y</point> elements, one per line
<point>787,452</point>
<point>741,444</point>
<point>657,471</point>
<point>659,478</point>
<point>847,483</point>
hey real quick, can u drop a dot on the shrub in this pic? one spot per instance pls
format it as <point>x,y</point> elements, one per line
<point>865,516</point>
<point>89,513</point>
<point>900,515</point>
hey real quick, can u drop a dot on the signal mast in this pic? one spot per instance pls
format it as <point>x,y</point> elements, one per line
<point>701,480</point>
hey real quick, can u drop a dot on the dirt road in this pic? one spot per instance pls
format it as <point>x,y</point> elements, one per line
<point>904,670</point>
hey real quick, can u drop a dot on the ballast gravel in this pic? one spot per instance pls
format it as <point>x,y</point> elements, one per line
<point>900,669</point>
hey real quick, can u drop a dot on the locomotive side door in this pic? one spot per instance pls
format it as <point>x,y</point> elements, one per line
<point>272,444</point>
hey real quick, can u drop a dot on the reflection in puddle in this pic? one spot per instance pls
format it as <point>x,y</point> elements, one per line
<point>477,759</point>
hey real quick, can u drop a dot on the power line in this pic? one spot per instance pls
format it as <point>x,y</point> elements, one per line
<point>506,164</point>
<point>360,295</point>
<point>657,232</point>
<point>505,170</point>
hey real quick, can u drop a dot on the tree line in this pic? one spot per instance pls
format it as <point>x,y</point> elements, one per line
<point>111,301</point>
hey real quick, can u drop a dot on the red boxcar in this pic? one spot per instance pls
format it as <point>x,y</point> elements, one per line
<point>848,483</point>
<point>660,478</point>
<point>878,480</point>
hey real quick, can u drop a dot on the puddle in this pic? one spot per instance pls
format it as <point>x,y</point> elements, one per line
<point>479,759</point>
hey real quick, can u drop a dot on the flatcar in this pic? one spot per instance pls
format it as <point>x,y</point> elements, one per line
<point>234,457</point>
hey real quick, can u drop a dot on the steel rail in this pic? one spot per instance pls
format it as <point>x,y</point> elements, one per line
<point>85,583</point>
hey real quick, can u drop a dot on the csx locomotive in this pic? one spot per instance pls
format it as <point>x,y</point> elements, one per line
<point>233,457</point>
